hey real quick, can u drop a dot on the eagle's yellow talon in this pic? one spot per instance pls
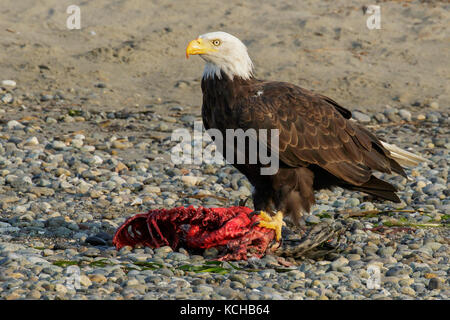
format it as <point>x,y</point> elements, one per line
<point>272,222</point>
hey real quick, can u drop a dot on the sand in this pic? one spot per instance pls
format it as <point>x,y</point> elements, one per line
<point>136,48</point>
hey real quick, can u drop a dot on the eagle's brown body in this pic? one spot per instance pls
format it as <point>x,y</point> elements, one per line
<point>319,146</point>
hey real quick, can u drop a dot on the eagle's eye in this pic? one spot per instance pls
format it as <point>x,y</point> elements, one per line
<point>216,42</point>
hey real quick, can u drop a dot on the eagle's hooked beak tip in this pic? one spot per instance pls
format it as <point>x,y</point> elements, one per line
<point>198,46</point>
<point>193,47</point>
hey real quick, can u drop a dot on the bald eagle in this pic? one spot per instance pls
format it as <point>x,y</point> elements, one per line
<point>319,147</point>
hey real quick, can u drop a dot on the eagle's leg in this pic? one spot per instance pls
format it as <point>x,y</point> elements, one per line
<point>266,208</point>
<point>272,222</point>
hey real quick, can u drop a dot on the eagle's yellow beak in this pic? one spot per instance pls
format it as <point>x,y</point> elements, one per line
<point>199,46</point>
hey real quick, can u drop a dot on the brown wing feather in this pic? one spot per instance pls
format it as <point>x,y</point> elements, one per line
<point>314,130</point>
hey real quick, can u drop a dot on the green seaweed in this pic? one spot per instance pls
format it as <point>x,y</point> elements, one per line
<point>203,268</point>
<point>411,224</point>
<point>65,263</point>
<point>323,215</point>
<point>100,263</point>
<point>148,265</point>
<point>212,266</point>
<point>74,113</point>
<point>283,270</point>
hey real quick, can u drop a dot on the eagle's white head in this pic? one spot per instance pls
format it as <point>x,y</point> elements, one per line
<point>222,51</point>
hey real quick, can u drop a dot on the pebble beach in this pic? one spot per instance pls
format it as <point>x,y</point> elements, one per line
<point>77,159</point>
<point>63,197</point>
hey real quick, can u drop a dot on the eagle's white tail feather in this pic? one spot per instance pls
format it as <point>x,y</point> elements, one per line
<point>403,157</point>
